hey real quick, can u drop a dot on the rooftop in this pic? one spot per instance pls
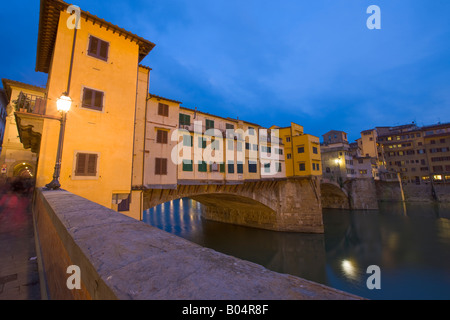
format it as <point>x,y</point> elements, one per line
<point>48,25</point>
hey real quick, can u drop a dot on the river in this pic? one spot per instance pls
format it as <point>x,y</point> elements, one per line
<point>409,243</point>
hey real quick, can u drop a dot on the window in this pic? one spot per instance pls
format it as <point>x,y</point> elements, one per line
<point>98,48</point>
<point>239,146</point>
<point>314,150</point>
<point>229,126</point>
<point>214,167</point>
<point>187,140</point>
<point>252,167</point>
<point>230,145</point>
<point>124,205</point>
<point>279,168</point>
<point>161,136</point>
<point>209,124</point>
<point>215,144</point>
<point>92,99</point>
<point>288,139</point>
<point>184,119</point>
<point>201,142</point>
<point>230,167</point>
<point>240,167</point>
<point>251,131</point>
<point>288,156</point>
<point>160,166</point>
<point>267,167</point>
<point>301,150</point>
<point>86,164</point>
<point>302,166</point>
<point>247,146</point>
<point>202,167</point>
<point>163,110</point>
<point>187,165</point>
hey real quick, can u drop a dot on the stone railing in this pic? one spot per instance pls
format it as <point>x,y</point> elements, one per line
<point>122,258</point>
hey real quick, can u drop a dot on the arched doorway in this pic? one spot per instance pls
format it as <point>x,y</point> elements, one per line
<point>23,170</point>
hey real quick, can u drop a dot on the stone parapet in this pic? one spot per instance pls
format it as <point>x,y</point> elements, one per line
<point>122,258</point>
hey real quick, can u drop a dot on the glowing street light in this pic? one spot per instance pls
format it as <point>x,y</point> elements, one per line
<point>63,105</point>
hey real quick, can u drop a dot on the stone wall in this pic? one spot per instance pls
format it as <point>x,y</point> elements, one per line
<point>122,258</point>
<point>390,191</point>
<point>362,194</point>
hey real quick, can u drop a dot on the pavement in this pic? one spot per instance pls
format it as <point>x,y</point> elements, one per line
<point>19,275</point>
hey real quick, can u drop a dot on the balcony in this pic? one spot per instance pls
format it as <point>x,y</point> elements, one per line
<point>29,114</point>
<point>29,103</point>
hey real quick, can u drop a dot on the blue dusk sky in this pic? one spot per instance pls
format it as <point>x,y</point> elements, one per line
<point>315,62</point>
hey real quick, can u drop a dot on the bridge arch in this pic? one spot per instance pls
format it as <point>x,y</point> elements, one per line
<point>281,205</point>
<point>333,196</point>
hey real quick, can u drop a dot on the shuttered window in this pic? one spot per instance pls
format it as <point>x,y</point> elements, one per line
<point>184,119</point>
<point>98,48</point>
<point>92,99</point>
<point>161,166</point>
<point>161,136</point>
<point>163,109</point>
<point>86,164</point>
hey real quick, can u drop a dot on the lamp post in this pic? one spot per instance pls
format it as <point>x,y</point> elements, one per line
<point>63,105</point>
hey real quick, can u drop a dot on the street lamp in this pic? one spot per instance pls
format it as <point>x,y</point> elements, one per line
<point>63,105</point>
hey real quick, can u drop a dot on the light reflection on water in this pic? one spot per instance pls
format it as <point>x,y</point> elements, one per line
<point>410,244</point>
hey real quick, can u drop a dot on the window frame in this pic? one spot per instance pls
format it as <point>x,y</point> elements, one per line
<point>163,109</point>
<point>97,55</point>
<point>94,92</point>
<point>161,169</point>
<point>75,175</point>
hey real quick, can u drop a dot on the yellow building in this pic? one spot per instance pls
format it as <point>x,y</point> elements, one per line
<point>96,65</point>
<point>302,152</point>
<point>17,157</point>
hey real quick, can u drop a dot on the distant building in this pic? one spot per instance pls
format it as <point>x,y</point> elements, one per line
<point>418,154</point>
<point>337,157</point>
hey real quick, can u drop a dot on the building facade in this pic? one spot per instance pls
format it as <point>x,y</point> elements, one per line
<point>337,157</point>
<point>418,154</point>
<point>19,155</point>
<point>302,152</point>
<point>88,62</point>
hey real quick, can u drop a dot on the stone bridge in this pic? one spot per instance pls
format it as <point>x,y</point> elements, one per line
<point>354,194</point>
<point>289,204</point>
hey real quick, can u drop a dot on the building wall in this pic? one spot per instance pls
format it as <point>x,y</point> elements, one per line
<point>419,154</point>
<point>13,153</point>
<point>154,177</point>
<point>107,133</point>
<point>369,143</point>
<point>302,152</point>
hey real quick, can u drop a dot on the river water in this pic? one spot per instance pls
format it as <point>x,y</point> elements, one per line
<point>409,243</point>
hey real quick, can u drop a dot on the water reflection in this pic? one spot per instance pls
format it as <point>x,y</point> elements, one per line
<point>410,244</point>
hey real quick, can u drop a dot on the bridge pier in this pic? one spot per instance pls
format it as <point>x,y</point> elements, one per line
<point>289,205</point>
